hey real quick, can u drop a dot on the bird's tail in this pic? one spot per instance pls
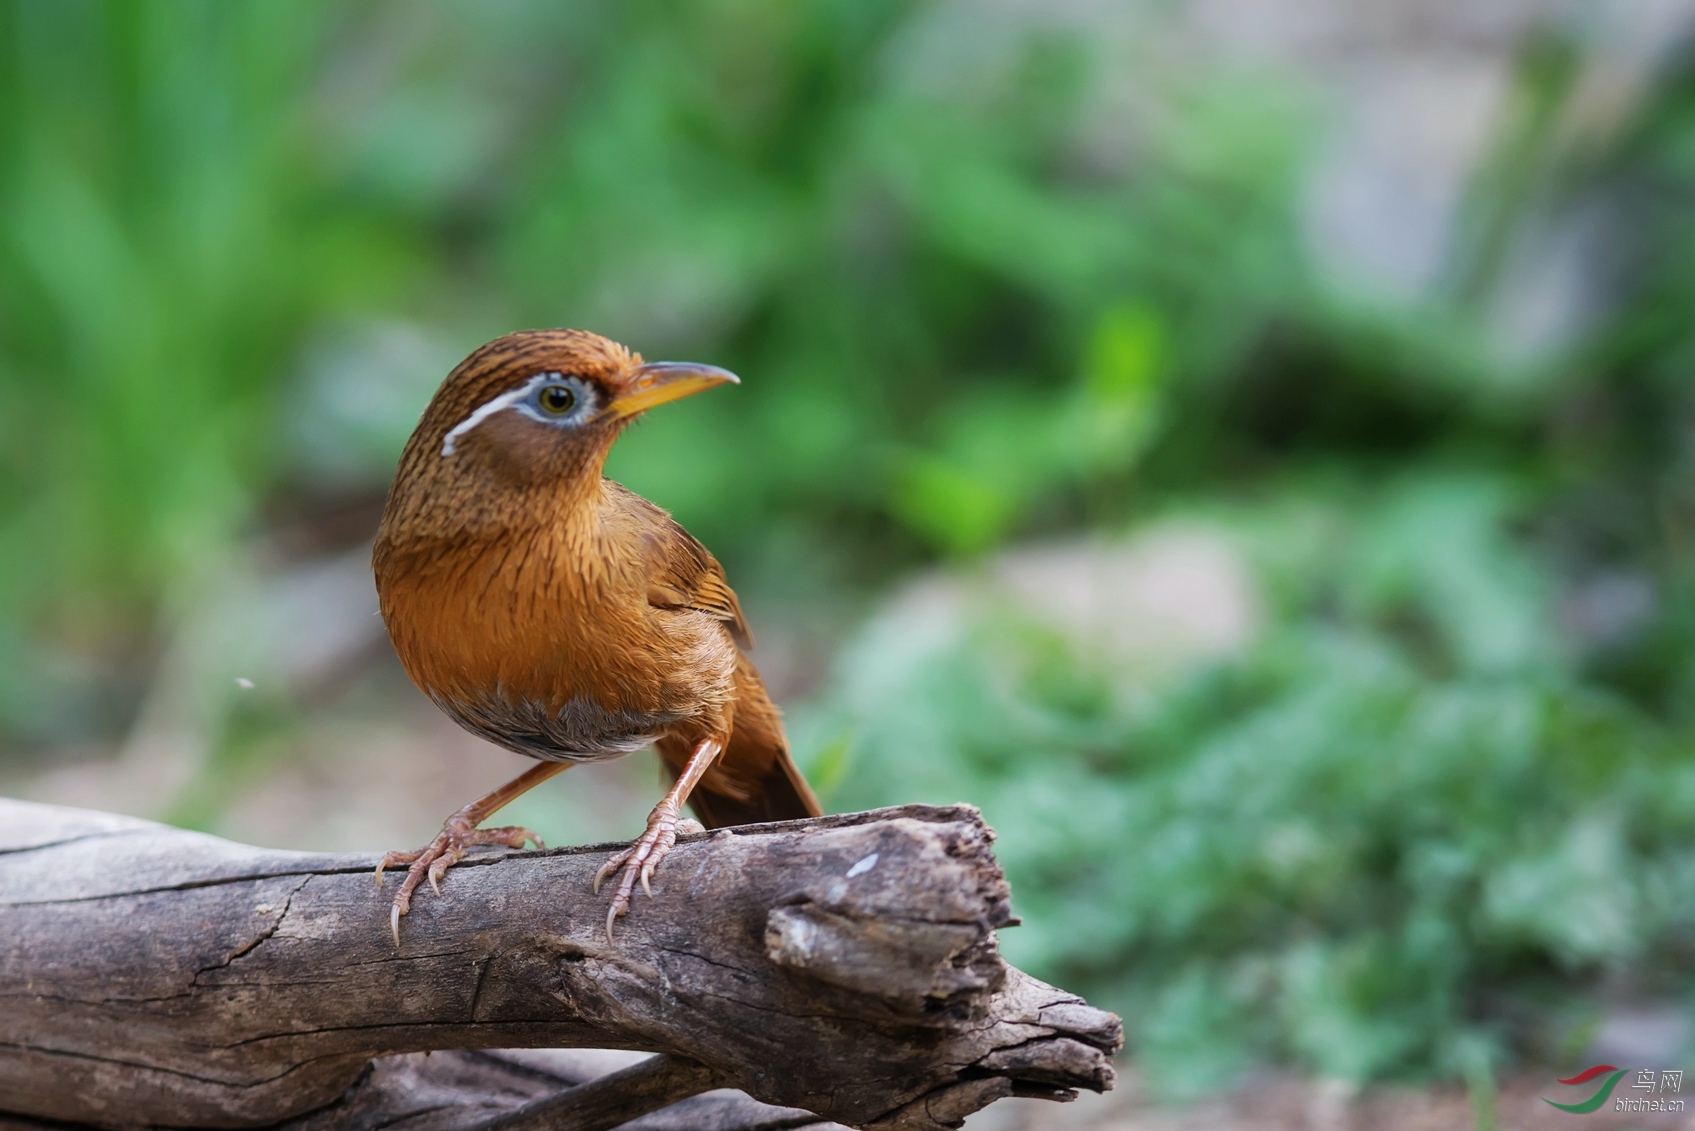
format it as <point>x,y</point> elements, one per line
<point>754,779</point>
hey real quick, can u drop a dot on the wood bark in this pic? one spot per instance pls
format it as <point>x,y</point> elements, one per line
<point>844,966</point>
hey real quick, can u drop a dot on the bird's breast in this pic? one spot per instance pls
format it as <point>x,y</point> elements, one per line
<point>555,655</point>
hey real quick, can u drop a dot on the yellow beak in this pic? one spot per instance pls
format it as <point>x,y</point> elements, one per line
<point>660,381</point>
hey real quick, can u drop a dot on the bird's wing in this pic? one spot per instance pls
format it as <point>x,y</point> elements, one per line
<point>683,574</point>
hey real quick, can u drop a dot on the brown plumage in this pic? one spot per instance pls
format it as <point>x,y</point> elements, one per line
<point>558,614</point>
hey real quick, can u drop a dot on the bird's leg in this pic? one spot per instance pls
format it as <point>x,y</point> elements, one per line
<point>459,834</point>
<point>641,858</point>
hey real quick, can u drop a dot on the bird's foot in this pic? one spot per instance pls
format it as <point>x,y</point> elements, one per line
<point>641,858</point>
<point>458,836</point>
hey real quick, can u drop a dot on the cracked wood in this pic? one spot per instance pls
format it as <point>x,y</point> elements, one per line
<point>845,965</point>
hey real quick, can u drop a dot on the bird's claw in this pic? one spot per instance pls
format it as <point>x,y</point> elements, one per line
<point>431,862</point>
<point>640,859</point>
<point>442,863</point>
<point>613,863</point>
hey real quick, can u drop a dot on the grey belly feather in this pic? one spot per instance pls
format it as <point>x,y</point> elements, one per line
<point>580,730</point>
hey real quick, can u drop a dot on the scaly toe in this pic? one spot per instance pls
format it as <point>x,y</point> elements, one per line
<point>512,836</point>
<point>626,888</point>
<point>657,851</point>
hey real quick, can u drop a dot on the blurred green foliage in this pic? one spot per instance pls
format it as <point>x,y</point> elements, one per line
<point>1399,831</point>
<point>978,296</point>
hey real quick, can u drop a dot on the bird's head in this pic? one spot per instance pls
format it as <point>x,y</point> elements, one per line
<point>539,406</point>
<point>525,418</point>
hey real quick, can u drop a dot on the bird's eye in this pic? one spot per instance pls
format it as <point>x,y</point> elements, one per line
<point>557,400</point>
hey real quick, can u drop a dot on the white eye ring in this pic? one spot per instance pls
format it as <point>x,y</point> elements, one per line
<point>526,399</point>
<point>580,393</point>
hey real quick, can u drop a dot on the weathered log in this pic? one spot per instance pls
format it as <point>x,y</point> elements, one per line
<point>472,1090</point>
<point>845,965</point>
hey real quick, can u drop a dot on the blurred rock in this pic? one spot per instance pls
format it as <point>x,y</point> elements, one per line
<point>358,397</point>
<point>1608,609</point>
<point>1646,1036</point>
<point>1170,596</point>
<point>1417,94</point>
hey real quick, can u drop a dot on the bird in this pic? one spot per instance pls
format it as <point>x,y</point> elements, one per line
<point>558,614</point>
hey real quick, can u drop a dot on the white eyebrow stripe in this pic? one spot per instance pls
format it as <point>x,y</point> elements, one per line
<point>483,412</point>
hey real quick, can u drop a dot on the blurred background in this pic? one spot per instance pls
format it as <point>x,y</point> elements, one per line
<point>1245,446</point>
